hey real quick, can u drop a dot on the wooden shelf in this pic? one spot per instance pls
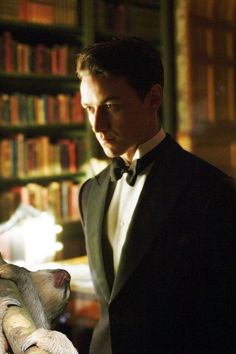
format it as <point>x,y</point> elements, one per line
<point>57,130</point>
<point>49,33</point>
<point>35,83</point>
<point>9,182</point>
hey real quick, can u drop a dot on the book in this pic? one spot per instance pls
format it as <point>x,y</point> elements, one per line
<point>8,51</point>
<point>5,109</point>
<point>45,12</point>
<point>9,10</point>
<point>14,110</point>
<point>16,56</point>
<point>20,158</point>
<point>40,11</point>
<point>6,158</point>
<point>60,198</point>
<point>77,113</point>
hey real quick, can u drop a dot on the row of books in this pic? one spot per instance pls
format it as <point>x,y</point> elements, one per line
<point>213,73</point>
<point>206,72</point>
<point>60,198</point>
<point>19,109</point>
<point>141,19</point>
<point>211,43</point>
<point>223,11</point>
<point>16,56</point>
<point>47,12</point>
<point>29,157</point>
<point>213,93</point>
<point>148,2</point>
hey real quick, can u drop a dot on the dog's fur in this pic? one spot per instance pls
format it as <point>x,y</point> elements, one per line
<point>45,294</point>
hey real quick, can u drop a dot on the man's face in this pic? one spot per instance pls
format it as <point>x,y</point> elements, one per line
<point>120,119</point>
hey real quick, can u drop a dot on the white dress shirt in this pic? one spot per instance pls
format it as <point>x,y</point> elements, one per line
<point>124,201</point>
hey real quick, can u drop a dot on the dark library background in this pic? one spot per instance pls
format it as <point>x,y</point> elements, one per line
<point>46,147</point>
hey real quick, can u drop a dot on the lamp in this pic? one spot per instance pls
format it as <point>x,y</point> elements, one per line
<point>29,236</point>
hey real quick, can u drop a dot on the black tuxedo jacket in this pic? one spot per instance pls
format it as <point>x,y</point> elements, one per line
<point>174,292</point>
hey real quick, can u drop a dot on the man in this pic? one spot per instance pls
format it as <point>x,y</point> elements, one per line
<point>161,245</point>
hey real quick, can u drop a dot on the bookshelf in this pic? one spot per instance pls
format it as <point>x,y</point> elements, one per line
<point>205,64</point>
<point>44,137</point>
<point>139,18</point>
<point>43,134</point>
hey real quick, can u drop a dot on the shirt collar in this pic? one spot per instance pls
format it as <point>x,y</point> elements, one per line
<point>148,145</point>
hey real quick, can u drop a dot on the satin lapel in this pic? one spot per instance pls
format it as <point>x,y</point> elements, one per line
<point>166,183</point>
<point>94,222</point>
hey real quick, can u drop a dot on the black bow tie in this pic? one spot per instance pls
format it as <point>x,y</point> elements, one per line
<point>118,167</point>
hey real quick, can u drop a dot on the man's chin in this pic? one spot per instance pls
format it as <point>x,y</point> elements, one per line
<point>110,152</point>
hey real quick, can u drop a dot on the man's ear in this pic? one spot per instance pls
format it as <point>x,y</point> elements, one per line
<point>155,96</point>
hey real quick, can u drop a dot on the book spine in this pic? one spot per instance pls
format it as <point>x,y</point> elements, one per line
<point>8,51</point>
<point>5,110</point>
<point>6,158</point>
<point>20,171</point>
<point>77,113</point>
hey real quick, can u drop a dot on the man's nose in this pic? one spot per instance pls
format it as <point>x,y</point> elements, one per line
<point>100,121</point>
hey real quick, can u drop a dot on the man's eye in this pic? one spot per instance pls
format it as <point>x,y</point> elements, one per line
<point>111,107</point>
<point>108,106</point>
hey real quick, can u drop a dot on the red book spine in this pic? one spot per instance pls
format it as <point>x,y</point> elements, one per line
<point>22,10</point>
<point>77,109</point>
<point>14,110</point>
<point>54,61</point>
<point>51,109</point>
<point>8,48</point>
<point>63,59</point>
<point>40,59</point>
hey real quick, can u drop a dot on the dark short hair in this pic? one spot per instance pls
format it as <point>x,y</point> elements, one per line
<point>130,57</point>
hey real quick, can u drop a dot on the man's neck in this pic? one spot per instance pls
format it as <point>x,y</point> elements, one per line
<point>147,146</point>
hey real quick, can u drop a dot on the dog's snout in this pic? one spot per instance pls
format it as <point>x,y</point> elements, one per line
<point>61,278</point>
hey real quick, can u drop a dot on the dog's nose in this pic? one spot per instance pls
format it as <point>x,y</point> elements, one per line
<point>62,278</point>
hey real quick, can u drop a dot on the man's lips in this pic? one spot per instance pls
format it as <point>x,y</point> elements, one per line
<point>107,139</point>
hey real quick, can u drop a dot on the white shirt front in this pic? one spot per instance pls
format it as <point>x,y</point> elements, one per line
<point>124,201</point>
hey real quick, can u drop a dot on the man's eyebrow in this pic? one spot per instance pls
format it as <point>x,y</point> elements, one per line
<point>109,98</point>
<point>104,101</point>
